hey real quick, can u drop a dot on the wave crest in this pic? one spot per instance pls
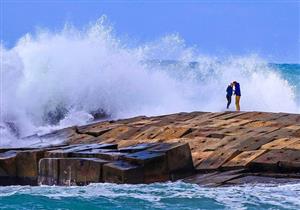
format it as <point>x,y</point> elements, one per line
<point>49,76</point>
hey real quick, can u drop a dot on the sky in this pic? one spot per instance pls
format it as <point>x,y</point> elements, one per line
<point>268,28</point>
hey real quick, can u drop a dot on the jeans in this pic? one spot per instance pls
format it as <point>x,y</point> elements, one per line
<point>228,100</point>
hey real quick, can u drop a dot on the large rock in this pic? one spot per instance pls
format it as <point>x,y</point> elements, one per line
<point>277,160</point>
<point>68,151</point>
<point>8,170</point>
<point>123,172</point>
<point>80,171</point>
<point>27,166</point>
<point>217,159</point>
<point>179,159</point>
<point>138,147</point>
<point>70,171</point>
<point>155,165</point>
<point>48,171</point>
<point>110,155</point>
<point>243,159</point>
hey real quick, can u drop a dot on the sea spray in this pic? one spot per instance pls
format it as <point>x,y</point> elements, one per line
<point>57,79</point>
<point>176,195</point>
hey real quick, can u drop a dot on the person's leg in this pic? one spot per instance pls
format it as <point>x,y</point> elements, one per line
<point>228,101</point>
<point>237,103</point>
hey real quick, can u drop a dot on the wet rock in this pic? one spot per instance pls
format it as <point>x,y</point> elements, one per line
<point>48,171</point>
<point>168,147</point>
<point>27,166</point>
<point>111,155</point>
<point>215,178</point>
<point>277,160</point>
<point>138,148</point>
<point>69,150</point>
<point>80,171</point>
<point>99,114</point>
<point>8,170</point>
<point>70,171</point>
<point>154,164</point>
<point>55,115</point>
<point>122,172</point>
<point>179,159</point>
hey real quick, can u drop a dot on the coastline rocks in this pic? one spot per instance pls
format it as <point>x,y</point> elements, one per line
<point>199,147</point>
<point>70,171</point>
<point>93,163</point>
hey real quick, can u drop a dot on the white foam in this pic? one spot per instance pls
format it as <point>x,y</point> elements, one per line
<point>176,195</point>
<point>84,70</point>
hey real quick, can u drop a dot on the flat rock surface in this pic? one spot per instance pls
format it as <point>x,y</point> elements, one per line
<point>216,139</point>
<point>219,142</point>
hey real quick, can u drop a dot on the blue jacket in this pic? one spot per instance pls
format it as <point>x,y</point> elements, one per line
<point>229,90</point>
<point>237,91</point>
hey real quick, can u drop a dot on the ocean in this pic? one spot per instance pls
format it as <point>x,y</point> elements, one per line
<point>51,80</point>
<point>171,196</point>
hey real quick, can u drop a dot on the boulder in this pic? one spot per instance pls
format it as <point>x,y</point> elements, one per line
<point>137,148</point>
<point>48,171</point>
<point>217,159</point>
<point>154,164</point>
<point>8,170</point>
<point>277,160</point>
<point>67,151</point>
<point>27,166</point>
<point>106,154</point>
<point>80,171</point>
<point>122,172</point>
<point>179,158</point>
<point>243,159</point>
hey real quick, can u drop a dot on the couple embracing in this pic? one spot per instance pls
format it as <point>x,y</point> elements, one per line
<point>234,88</point>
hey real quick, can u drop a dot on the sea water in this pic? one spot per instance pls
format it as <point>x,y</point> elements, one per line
<point>172,196</point>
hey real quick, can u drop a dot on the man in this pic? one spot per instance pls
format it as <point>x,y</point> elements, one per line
<point>237,92</point>
<point>229,91</point>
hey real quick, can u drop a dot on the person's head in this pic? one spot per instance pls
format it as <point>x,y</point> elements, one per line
<point>234,82</point>
<point>231,84</point>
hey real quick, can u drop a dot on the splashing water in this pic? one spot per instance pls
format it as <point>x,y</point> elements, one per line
<point>177,195</point>
<point>67,75</point>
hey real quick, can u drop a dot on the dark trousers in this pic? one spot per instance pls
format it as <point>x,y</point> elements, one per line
<point>228,100</point>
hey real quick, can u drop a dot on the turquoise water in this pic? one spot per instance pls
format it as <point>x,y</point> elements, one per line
<point>290,72</point>
<point>170,196</point>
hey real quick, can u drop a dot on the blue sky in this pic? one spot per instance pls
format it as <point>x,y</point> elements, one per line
<point>268,28</point>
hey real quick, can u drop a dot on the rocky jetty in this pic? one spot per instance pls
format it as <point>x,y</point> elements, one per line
<point>199,147</point>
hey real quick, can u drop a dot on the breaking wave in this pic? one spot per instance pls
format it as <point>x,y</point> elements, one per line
<point>74,75</point>
<point>177,195</point>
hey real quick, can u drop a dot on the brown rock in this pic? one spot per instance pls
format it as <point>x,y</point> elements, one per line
<point>48,171</point>
<point>80,171</point>
<point>217,159</point>
<point>179,158</point>
<point>8,172</point>
<point>270,160</point>
<point>69,150</point>
<point>154,164</point>
<point>122,172</point>
<point>279,143</point>
<point>27,166</point>
<point>198,157</point>
<point>242,160</point>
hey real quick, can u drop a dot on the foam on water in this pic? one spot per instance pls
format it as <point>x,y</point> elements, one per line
<point>173,196</point>
<point>71,73</point>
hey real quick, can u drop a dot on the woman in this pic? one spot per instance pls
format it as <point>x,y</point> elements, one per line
<point>229,91</point>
